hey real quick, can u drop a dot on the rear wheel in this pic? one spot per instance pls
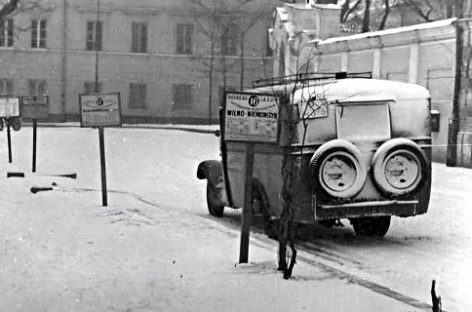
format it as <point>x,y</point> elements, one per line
<point>371,226</point>
<point>399,167</point>
<point>215,208</point>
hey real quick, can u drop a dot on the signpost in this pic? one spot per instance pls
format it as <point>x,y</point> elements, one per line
<point>250,118</point>
<point>34,107</point>
<point>9,108</point>
<point>99,111</point>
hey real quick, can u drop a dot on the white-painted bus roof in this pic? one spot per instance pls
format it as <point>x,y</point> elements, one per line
<point>360,89</point>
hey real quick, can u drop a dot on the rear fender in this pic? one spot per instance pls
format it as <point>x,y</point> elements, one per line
<point>212,170</point>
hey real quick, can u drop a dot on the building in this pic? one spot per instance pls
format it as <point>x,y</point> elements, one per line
<point>306,38</point>
<point>170,60</point>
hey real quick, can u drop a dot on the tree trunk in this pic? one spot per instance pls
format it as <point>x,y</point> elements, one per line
<point>210,79</point>
<point>241,58</point>
<point>384,19</point>
<point>454,123</point>
<point>366,21</point>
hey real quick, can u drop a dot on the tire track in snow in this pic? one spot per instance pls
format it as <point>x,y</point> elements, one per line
<point>327,261</point>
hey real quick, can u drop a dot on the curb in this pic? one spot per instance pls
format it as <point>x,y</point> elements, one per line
<point>190,128</point>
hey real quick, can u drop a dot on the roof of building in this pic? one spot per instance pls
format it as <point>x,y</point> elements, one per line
<point>390,31</point>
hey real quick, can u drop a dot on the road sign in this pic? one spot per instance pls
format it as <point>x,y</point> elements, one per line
<point>9,107</point>
<point>35,107</point>
<point>251,117</point>
<point>100,110</point>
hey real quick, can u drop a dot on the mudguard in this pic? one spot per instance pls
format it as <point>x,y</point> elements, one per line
<point>212,170</point>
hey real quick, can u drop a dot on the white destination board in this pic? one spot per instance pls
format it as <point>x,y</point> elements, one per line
<point>100,110</point>
<point>9,107</point>
<point>251,117</point>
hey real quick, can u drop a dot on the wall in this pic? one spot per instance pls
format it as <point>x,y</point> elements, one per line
<point>422,54</point>
<point>66,65</point>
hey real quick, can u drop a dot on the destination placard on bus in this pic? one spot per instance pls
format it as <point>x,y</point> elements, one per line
<point>251,117</point>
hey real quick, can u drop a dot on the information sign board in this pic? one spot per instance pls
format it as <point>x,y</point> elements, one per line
<point>100,110</point>
<point>9,107</point>
<point>35,107</point>
<point>251,117</point>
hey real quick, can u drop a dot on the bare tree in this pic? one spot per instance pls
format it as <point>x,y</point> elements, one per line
<point>225,25</point>
<point>375,13</point>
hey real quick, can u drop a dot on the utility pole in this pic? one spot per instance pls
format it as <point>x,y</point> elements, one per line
<point>65,37</point>
<point>454,122</point>
<point>97,27</point>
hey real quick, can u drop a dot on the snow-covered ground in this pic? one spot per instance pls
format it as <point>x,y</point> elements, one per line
<point>155,249</point>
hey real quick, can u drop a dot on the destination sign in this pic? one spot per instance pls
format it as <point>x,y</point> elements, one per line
<point>251,117</point>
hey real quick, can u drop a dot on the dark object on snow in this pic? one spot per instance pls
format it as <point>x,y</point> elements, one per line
<point>66,175</point>
<point>35,189</point>
<point>15,174</point>
<point>437,306</point>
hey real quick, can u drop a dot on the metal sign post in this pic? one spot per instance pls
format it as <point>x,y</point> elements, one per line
<point>10,157</point>
<point>247,208</point>
<point>250,118</point>
<point>34,107</point>
<point>101,138</point>
<point>99,111</point>
<point>9,108</point>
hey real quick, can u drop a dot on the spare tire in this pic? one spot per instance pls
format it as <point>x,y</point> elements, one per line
<point>338,169</point>
<point>399,167</point>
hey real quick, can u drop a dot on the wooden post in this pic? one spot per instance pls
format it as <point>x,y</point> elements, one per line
<point>103,169</point>
<point>247,208</point>
<point>35,125</point>
<point>9,141</point>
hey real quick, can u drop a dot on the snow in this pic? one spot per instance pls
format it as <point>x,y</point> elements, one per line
<point>154,248</point>
<point>391,31</point>
<point>361,89</point>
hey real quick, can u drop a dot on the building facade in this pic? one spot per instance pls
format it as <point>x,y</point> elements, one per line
<point>423,54</point>
<point>170,60</point>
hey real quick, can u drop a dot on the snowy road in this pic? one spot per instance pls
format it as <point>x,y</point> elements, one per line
<point>155,169</point>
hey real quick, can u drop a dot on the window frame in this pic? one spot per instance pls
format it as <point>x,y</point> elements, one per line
<point>38,33</point>
<point>6,33</point>
<point>6,86</point>
<point>228,40</point>
<point>94,35</point>
<point>137,94</point>
<point>139,37</point>
<point>184,39</point>
<point>38,85</point>
<point>89,87</point>
<point>182,96</point>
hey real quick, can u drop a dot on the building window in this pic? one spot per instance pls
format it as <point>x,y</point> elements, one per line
<point>184,38</point>
<point>182,96</point>
<point>137,95</point>
<point>139,37</point>
<point>6,87</point>
<point>6,33</point>
<point>221,93</point>
<point>37,87</point>
<point>89,87</point>
<point>94,36</point>
<point>269,51</point>
<point>229,38</point>
<point>38,33</point>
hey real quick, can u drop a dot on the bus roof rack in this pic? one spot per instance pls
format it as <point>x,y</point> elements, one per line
<point>306,77</point>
